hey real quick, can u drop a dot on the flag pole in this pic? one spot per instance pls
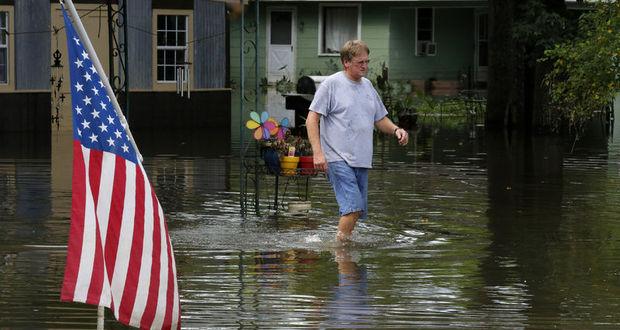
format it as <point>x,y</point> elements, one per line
<point>100,317</point>
<point>104,78</point>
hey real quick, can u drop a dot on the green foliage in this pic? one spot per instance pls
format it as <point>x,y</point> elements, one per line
<point>448,106</point>
<point>538,28</point>
<point>397,96</point>
<point>586,69</point>
<point>285,85</point>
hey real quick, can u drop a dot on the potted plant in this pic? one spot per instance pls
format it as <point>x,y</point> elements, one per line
<point>288,160</point>
<point>405,111</point>
<point>306,161</point>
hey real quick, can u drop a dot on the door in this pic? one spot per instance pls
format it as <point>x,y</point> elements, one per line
<point>482,49</point>
<point>280,44</point>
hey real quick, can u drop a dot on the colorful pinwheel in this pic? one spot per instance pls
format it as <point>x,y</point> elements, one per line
<point>263,126</point>
<point>284,127</point>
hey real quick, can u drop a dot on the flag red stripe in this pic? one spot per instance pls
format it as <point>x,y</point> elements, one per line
<point>96,280</point>
<point>151,301</point>
<point>135,259</point>
<point>116,217</point>
<point>74,248</point>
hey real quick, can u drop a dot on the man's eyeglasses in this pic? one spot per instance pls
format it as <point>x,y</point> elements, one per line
<point>360,63</point>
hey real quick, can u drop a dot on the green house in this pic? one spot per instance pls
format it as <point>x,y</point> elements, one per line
<point>437,46</point>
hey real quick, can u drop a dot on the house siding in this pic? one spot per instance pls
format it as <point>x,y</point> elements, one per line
<point>140,61</point>
<point>209,48</point>
<point>32,20</point>
<point>389,30</point>
<point>454,36</point>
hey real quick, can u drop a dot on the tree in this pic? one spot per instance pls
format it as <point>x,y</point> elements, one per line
<point>519,33</point>
<point>585,71</point>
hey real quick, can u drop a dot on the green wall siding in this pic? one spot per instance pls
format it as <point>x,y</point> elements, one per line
<point>454,35</point>
<point>389,30</point>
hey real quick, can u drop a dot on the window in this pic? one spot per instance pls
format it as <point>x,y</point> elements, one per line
<point>172,38</point>
<point>338,24</point>
<point>4,47</point>
<point>424,29</point>
<point>483,39</point>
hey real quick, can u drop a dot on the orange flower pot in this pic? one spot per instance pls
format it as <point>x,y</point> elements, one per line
<point>288,165</point>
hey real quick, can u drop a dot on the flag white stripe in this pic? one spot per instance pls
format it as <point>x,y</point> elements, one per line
<point>108,164</point>
<point>125,237</point>
<point>87,256</point>
<point>163,271</point>
<point>144,279</point>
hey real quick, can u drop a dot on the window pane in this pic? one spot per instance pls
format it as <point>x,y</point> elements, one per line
<point>170,73</point>
<point>181,38</point>
<point>3,17</point>
<point>161,56</point>
<point>425,36</point>
<point>169,57</point>
<point>160,72</point>
<point>161,38</point>
<point>161,22</point>
<point>425,23</point>
<point>3,37</point>
<point>180,56</point>
<point>339,26</point>
<point>3,79</point>
<point>171,22</point>
<point>483,54</point>
<point>281,22</point>
<point>181,22</point>
<point>482,27</point>
<point>425,13</point>
<point>171,38</point>
<point>3,65</point>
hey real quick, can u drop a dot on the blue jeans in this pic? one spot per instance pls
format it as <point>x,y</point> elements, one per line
<point>350,186</point>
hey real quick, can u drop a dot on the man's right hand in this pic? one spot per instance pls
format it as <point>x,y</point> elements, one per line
<point>319,162</point>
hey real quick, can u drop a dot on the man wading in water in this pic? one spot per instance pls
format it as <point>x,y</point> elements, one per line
<point>340,124</point>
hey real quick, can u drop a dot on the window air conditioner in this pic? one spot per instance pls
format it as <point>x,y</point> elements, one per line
<point>427,48</point>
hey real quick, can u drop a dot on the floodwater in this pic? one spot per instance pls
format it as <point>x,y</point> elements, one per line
<point>486,231</point>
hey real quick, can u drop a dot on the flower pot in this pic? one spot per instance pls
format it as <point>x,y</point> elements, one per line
<point>289,165</point>
<point>306,164</point>
<point>272,161</point>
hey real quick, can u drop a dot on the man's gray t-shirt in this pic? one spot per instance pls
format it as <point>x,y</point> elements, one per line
<point>349,111</point>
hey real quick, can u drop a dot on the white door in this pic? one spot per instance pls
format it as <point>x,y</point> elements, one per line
<point>280,44</point>
<point>482,49</point>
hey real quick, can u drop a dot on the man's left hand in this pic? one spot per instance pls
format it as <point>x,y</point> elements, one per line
<point>402,136</point>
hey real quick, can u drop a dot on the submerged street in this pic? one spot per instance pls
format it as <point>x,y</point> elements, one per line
<point>465,231</point>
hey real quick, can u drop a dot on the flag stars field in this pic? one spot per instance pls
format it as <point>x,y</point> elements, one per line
<point>88,90</point>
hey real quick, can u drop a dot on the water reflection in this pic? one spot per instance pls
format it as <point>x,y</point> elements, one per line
<point>525,188</point>
<point>350,304</point>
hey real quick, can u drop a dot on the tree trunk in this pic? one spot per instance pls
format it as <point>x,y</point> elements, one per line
<point>501,64</point>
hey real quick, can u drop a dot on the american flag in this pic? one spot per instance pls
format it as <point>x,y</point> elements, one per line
<point>119,253</point>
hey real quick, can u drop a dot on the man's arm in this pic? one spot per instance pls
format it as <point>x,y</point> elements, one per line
<point>386,126</point>
<point>312,125</point>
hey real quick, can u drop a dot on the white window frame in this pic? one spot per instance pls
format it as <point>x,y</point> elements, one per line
<point>417,52</point>
<point>160,85</point>
<point>321,24</point>
<point>6,46</point>
<point>184,48</point>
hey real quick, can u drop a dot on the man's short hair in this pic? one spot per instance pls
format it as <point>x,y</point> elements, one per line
<point>353,48</point>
